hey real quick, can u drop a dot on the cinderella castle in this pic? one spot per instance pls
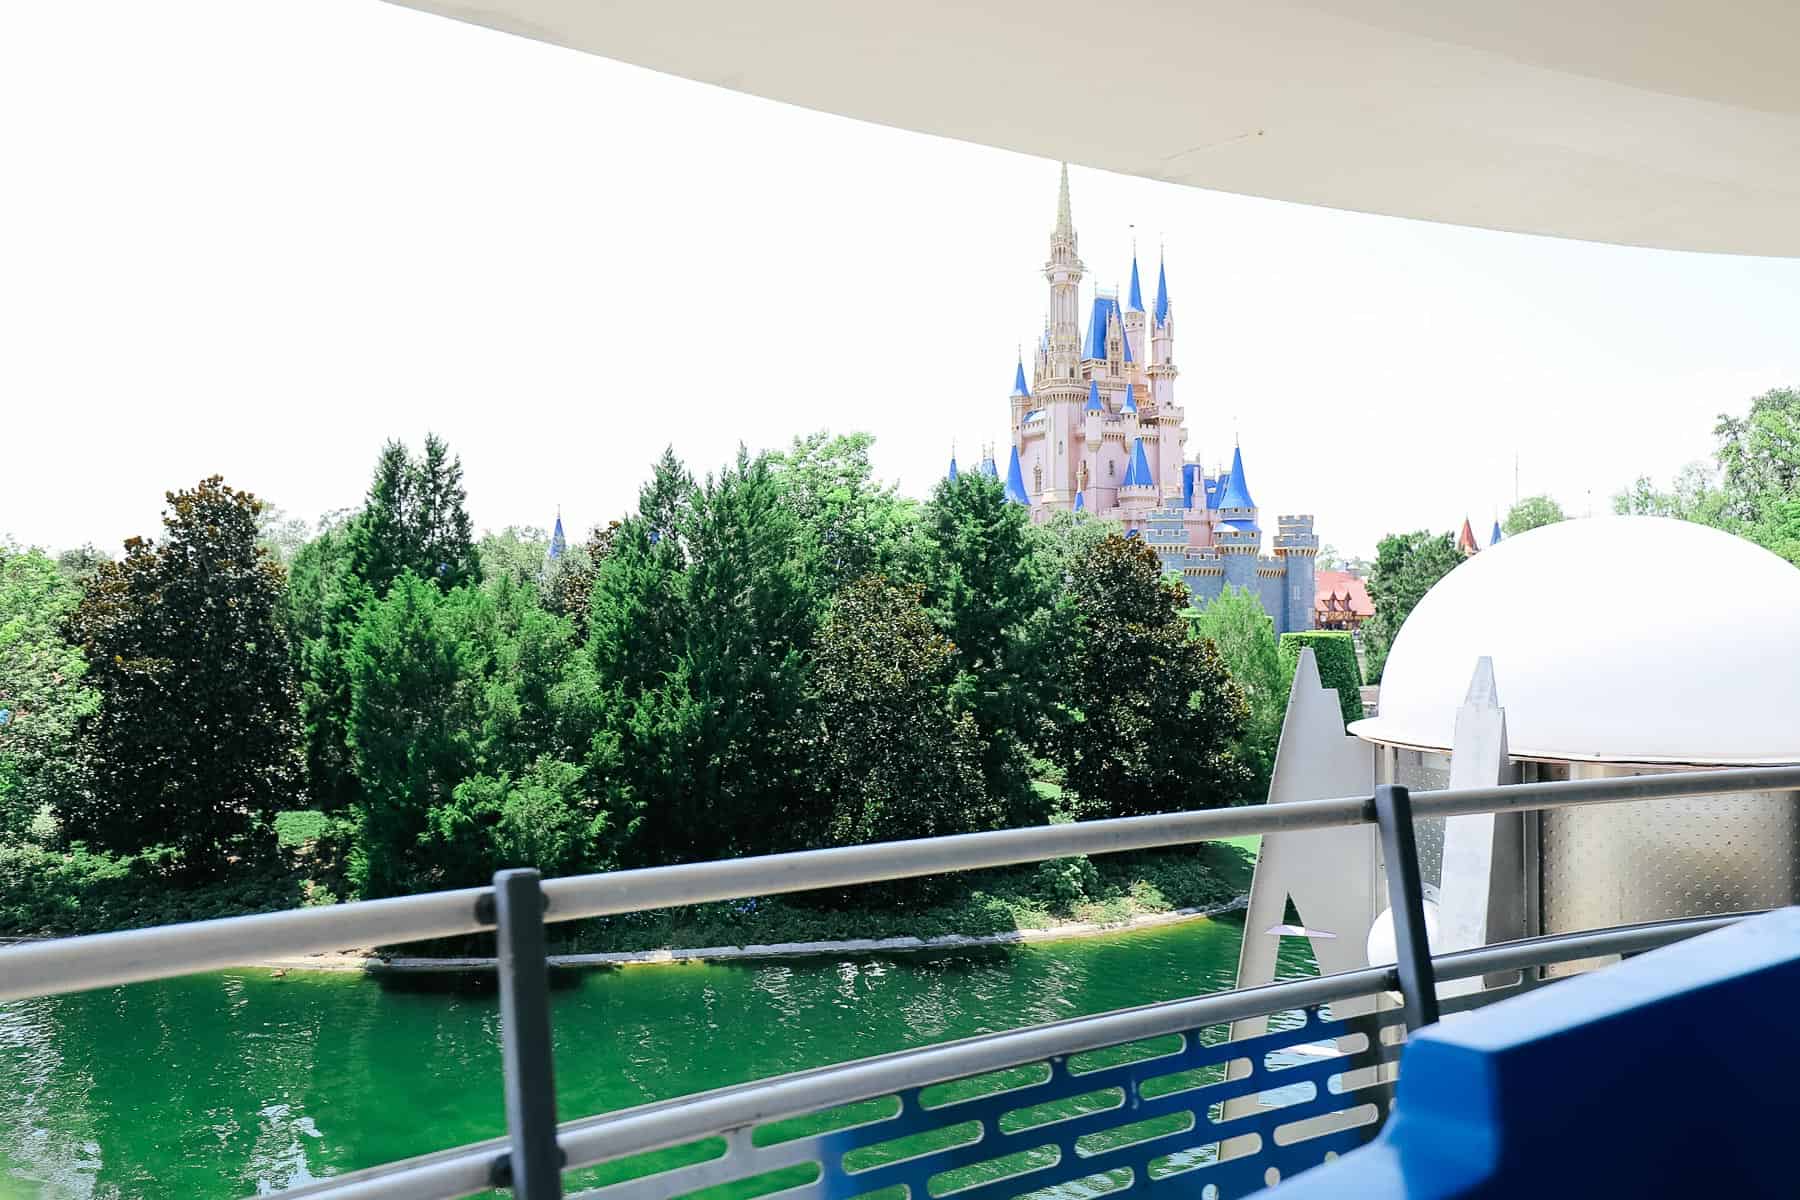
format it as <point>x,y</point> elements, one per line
<point>1097,430</point>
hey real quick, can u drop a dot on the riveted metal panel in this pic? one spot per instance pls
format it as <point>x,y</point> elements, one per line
<point>1661,859</point>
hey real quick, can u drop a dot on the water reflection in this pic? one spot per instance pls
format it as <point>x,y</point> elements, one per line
<point>238,1083</point>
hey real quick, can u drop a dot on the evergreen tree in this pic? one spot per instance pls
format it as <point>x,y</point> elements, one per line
<point>457,735</point>
<point>405,729</point>
<point>699,629</point>
<point>195,740</point>
<point>990,593</point>
<point>1154,712</point>
<point>890,756</point>
<point>43,697</point>
<point>415,519</point>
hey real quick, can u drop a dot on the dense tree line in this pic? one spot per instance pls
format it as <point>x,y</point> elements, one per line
<point>1752,485</point>
<point>782,653</point>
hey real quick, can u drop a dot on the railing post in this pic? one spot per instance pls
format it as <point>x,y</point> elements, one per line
<point>532,1168</point>
<point>1406,905</point>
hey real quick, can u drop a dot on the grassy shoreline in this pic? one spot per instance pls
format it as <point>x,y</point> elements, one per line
<point>55,894</point>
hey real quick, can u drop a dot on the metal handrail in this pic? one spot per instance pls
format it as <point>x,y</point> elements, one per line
<point>137,955</point>
<point>675,1121</point>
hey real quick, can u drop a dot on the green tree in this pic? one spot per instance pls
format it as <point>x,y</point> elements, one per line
<point>43,698</point>
<point>415,519</point>
<point>1407,565</point>
<point>1695,496</point>
<point>1244,635</point>
<point>992,595</point>
<point>196,738</point>
<point>78,565</point>
<point>1066,538</point>
<point>1530,513</point>
<point>459,739</point>
<point>849,526</point>
<point>891,758</point>
<point>407,730</point>
<point>569,584</point>
<point>518,551</point>
<point>1759,454</point>
<point>699,630</point>
<point>1155,712</point>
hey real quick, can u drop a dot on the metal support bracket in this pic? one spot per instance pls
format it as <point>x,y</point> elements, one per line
<point>532,1166</point>
<point>1406,903</point>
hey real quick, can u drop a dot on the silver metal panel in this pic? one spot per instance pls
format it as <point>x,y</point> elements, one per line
<point>1661,859</point>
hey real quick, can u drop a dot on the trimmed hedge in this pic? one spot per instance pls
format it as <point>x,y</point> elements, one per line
<point>1336,655</point>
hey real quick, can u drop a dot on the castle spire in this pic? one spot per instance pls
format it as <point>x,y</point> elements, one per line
<point>1237,492</point>
<point>1019,388</point>
<point>1162,292</point>
<point>558,543</point>
<point>1015,480</point>
<point>1065,220</point>
<point>1134,299</point>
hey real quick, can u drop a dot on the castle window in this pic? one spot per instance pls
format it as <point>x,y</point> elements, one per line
<point>1109,468</point>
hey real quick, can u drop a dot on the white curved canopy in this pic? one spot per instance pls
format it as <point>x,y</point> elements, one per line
<point>1614,639</point>
<point>1672,123</point>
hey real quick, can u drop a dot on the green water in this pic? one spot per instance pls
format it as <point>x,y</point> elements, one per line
<point>228,1084</point>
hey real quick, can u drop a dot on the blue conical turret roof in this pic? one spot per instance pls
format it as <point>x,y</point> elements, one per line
<point>1162,294</point>
<point>1019,388</point>
<point>988,468</point>
<point>1137,474</point>
<point>1094,345</point>
<point>1015,480</point>
<point>1495,539</point>
<point>558,543</point>
<point>1190,472</point>
<point>1094,404</point>
<point>1130,405</point>
<point>1134,299</point>
<point>952,475</point>
<point>1080,501</point>
<point>1237,492</point>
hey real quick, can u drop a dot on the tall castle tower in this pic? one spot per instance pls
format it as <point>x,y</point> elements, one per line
<point>1097,429</point>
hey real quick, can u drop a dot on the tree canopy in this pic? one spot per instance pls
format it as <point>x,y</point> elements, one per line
<point>1407,565</point>
<point>1531,513</point>
<point>1750,488</point>
<point>195,740</point>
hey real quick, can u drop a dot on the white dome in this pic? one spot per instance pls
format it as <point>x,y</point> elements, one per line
<point>1614,639</point>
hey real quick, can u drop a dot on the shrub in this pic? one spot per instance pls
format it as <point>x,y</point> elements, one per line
<point>1336,655</point>
<point>1062,883</point>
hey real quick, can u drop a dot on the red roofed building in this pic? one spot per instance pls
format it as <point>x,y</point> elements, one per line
<point>1341,600</point>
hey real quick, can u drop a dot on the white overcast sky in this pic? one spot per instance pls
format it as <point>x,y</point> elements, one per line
<point>257,238</point>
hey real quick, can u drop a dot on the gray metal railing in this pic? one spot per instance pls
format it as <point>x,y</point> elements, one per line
<point>531,1159</point>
